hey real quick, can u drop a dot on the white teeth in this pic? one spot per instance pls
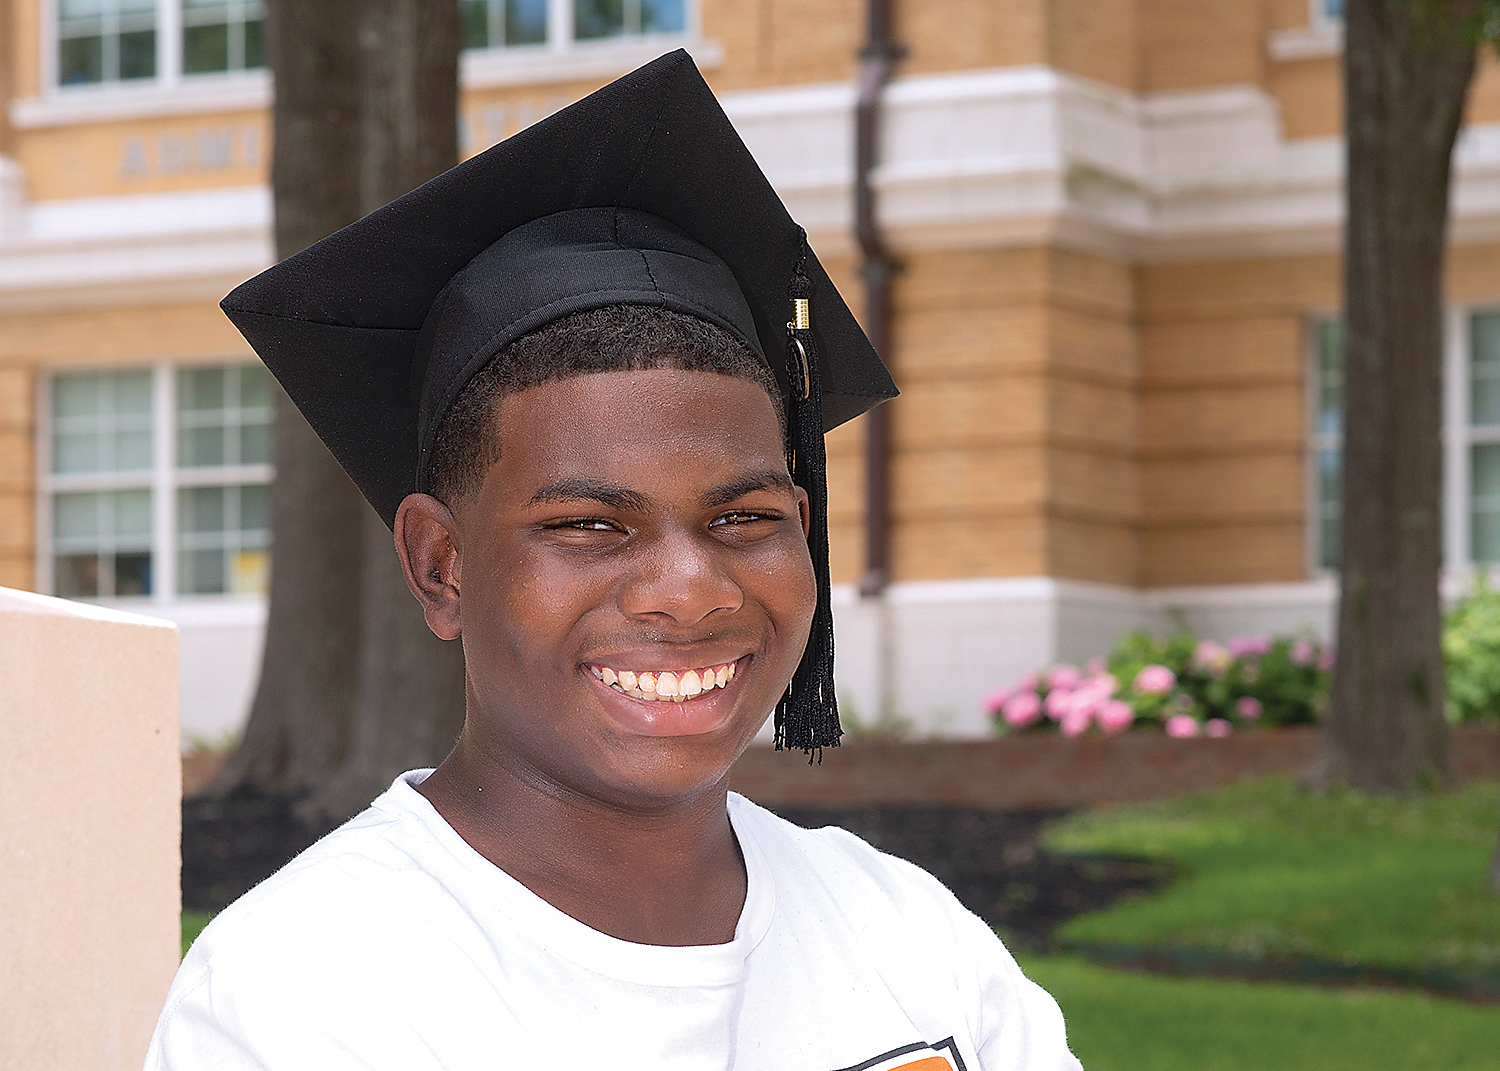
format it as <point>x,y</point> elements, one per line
<point>665,685</point>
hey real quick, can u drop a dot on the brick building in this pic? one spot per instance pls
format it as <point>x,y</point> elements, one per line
<point>1115,330</point>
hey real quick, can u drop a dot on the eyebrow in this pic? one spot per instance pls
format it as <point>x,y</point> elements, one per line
<point>582,489</point>
<point>767,479</point>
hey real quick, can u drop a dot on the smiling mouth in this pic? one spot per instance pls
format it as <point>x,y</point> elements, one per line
<point>665,686</point>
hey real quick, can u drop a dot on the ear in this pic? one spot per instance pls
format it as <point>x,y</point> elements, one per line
<point>428,543</point>
<point>804,510</point>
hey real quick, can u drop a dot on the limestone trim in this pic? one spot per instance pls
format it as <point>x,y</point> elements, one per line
<point>1018,156</point>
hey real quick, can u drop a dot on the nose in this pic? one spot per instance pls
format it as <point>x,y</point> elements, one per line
<point>681,578</point>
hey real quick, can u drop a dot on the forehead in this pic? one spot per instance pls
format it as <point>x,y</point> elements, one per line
<point>637,422</point>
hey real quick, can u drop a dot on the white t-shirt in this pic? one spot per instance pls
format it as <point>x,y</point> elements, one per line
<point>392,943</point>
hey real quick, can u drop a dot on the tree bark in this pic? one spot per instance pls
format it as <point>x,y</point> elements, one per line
<point>409,687</point>
<point>300,720</point>
<point>353,687</point>
<point>1407,69</point>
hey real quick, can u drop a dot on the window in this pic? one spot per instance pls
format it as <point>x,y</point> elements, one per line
<point>619,18</point>
<point>157,482</point>
<point>130,40</point>
<point>1328,440</point>
<point>498,23</point>
<point>221,35</point>
<point>1484,438</point>
<point>506,23</point>
<point>105,40</point>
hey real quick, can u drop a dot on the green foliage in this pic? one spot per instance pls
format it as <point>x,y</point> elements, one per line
<point>192,925</point>
<point>1287,676</point>
<point>1131,1022</point>
<point>1471,653</point>
<point>1269,870</point>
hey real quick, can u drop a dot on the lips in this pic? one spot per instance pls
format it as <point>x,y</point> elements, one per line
<point>672,686</point>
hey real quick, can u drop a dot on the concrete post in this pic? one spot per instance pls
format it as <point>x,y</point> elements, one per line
<point>90,825</point>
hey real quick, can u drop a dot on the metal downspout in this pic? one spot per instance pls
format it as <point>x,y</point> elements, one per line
<point>877,57</point>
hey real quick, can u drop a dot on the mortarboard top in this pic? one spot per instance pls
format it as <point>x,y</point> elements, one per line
<point>340,324</point>
<point>641,193</point>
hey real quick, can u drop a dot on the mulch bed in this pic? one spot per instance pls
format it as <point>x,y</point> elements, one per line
<point>990,859</point>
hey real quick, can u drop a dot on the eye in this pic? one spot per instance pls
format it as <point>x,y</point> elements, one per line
<point>743,516</point>
<point>583,526</point>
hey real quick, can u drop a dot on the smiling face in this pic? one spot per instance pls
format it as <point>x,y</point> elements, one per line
<point>639,536</point>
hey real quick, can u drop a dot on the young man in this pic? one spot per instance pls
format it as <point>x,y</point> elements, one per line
<point>571,374</point>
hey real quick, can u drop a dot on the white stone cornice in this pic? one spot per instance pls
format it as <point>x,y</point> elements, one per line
<point>972,159</point>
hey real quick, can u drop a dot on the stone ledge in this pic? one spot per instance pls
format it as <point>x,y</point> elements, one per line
<point>1049,772</point>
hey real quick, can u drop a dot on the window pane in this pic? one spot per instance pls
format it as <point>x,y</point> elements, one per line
<point>255,510</point>
<point>80,9</point>
<point>223,535</point>
<point>101,422</point>
<point>80,60</point>
<point>223,416</point>
<point>200,509</point>
<point>255,49</point>
<point>525,22</point>
<point>1330,507</point>
<point>476,23</point>
<point>1333,9</point>
<point>132,574</point>
<point>138,54</point>
<point>1484,480</point>
<point>200,447</point>
<point>662,16</point>
<point>205,48</point>
<point>200,388</point>
<point>1484,369</point>
<point>76,576</point>
<point>1331,378</point>
<point>201,572</point>
<point>101,543</point>
<point>598,18</point>
<point>75,517</point>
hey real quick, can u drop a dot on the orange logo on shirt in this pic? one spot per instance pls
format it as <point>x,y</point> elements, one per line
<point>915,1057</point>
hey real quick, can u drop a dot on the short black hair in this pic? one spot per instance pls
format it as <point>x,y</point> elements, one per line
<point>613,338</point>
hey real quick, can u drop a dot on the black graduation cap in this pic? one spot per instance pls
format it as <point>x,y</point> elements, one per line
<point>641,193</point>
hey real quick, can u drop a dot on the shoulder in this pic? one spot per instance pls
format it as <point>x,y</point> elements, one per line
<point>314,941</point>
<point>835,859</point>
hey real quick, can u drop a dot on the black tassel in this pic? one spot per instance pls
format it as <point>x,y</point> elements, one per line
<point>807,718</point>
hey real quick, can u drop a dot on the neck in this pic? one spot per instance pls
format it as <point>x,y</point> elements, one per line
<point>652,872</point>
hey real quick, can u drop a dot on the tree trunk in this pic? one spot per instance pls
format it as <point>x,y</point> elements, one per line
<point>409,695</point>
<point>1407,68</point>
<point>353,687</point>
<point>299,726</point>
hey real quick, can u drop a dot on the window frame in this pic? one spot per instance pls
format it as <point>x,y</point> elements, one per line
<point>169,58</point>
<point>1317,441</point>
<point>164,479</point>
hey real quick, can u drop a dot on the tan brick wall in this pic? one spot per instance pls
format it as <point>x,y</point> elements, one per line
<point>1095,38</point>
<point>1191,43</point>
<point>17,478</point>
<point>1311,96</point>
<point>1015,434</point>
<point>1223,417</point>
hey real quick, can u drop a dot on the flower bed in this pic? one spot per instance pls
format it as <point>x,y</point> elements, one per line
<point>1182,684</point>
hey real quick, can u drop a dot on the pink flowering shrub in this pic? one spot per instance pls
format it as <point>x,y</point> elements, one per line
<point>1184,685</point>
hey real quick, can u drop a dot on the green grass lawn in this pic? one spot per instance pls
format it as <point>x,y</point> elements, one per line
<point>1119,1021</point>
<point>192,925</point>
<point>1269,870</point>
